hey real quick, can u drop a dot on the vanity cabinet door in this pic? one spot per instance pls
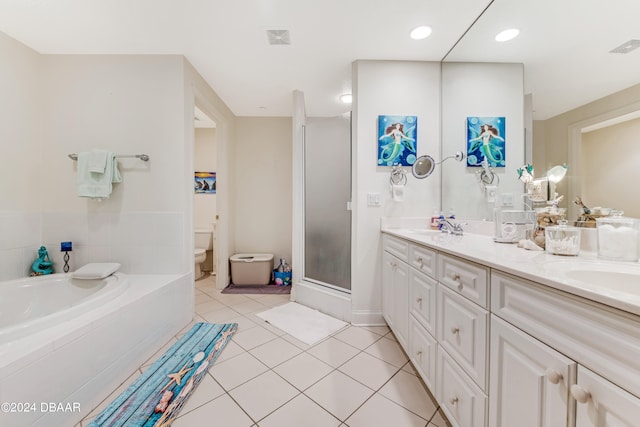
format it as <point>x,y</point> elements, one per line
<point>422,352</point>
<point>422,299</point>
<point>462,332</point>
<point>529,381</point>
<point>601,403</point>
<point>395,296</point>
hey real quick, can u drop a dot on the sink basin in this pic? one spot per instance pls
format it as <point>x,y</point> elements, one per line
<point>419,231</point>
<point>613,277</point>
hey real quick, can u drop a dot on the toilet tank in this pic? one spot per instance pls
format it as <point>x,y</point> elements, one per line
<point>203,238</point>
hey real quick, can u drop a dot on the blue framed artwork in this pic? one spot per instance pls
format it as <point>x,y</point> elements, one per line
<point>486,140</point>
<point>397,140</point>
<point>205,182</point>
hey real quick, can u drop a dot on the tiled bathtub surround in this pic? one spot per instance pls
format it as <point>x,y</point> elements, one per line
<point>143,242</point>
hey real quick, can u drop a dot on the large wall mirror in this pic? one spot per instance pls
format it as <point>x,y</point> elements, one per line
<point>565,48</point>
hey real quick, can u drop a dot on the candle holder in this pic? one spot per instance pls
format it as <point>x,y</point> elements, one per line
<point>66,247</point>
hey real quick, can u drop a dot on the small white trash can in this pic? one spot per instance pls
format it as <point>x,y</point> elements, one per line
<point>251,269</point>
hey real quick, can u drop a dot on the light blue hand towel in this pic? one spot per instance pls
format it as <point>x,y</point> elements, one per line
<point>97,185</point>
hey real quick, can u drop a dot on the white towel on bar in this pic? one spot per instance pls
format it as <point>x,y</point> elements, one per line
<point>97,185</point>
<point>97,161</point>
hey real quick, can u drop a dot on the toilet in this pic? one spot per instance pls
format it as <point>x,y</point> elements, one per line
<point>203,241</point>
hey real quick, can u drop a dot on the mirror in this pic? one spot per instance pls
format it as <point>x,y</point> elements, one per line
<point>565,48</point>
<point>423,166</point>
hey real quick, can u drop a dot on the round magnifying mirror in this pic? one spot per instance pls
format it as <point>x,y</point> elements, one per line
<point>423,166</point>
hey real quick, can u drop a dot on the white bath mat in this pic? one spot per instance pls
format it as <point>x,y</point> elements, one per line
<point>303,323</point>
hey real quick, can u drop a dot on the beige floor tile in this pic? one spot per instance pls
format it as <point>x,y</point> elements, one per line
<point>207,390</point>
<point>333,352</point>
<point>230,351</point>
<point>208,306</point>
<point>439,420</point>
<point>221,315</point>
<point>389,351</point>
<point>339,394</point>
<point>357,337</point>
<point>252,338</point>
<point>263,394</point>
<point>369,370</point>
<point>222,411</point>
<point>379,411</point>
<point>275,352</point>
<point>380,330</point>
<point>238,370</point>
<point>303,370</point>
<point>408,391</point>
<point>301,411</point>
<point>250,307</point>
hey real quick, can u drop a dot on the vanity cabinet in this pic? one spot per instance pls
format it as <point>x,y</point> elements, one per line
<point>395,300</point>
<point>529,380</point>
<point>602,404</point>
<point>499,350</point>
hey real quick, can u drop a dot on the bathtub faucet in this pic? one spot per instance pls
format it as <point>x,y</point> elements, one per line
<point>42,265</point>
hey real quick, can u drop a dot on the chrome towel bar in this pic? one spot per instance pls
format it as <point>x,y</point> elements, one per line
<point>143,157</point>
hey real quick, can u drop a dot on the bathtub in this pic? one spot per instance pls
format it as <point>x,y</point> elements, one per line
<point>66,344</point>
<point>32,303</point>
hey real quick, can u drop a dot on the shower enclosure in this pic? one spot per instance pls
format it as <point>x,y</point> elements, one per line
<point>327,195</point>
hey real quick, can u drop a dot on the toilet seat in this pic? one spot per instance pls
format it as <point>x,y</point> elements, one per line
<point>200,255</point>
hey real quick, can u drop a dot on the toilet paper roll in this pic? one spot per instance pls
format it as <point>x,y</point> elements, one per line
<point>397,192</point>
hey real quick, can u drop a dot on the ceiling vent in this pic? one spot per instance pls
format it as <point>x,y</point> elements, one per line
<point>626,47</point>
<point>278,37</point>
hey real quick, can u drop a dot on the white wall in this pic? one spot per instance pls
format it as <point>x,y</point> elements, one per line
<point>205,160</point>
<point>481,90</point>
<point>62,104</point>
<point>263,186</point>
<point>126,104</point>
<point>21,186</point>
<point>387,88</point>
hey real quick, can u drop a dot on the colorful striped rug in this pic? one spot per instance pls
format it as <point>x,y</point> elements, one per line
<point>157,396</point>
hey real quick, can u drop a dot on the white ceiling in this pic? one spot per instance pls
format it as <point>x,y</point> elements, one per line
<point>563,44</point>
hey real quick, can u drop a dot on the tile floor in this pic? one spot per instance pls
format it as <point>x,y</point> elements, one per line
<point>359,377</point>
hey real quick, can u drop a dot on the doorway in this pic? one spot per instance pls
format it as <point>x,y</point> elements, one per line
<point>205,209</point>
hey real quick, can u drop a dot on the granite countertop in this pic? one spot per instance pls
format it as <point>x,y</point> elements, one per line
<point>616,284</point>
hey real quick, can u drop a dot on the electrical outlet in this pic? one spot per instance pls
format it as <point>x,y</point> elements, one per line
<point>491,191</point>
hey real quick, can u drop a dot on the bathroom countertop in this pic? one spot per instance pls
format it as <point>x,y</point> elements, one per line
<point>565,273</point>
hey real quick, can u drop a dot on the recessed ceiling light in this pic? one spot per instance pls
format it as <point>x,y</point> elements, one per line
<point>507,35</point>
<point>346,98</point>
<point>420,33</point>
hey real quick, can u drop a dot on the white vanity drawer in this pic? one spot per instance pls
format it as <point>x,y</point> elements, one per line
<point>422,299</point>
<point>464,277</point>
<point>422,352</point>
<point>464,404</point>
<point>396,246</point>
<point>462,332</point>
<point>423,259</point>
<point>603,339</point>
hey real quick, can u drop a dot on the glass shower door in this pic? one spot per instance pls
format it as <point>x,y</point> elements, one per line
<point>327,194</point>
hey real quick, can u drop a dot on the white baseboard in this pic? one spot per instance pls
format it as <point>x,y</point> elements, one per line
<point>367,318</point>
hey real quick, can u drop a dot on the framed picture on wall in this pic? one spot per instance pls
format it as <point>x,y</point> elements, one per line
<point>397,140</point>
<point>205,182</point>
<point>486,139</point>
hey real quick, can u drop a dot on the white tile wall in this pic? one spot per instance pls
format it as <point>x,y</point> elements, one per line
<point>143,242</point>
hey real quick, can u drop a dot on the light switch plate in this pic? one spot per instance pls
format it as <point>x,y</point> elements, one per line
<point>373,199</point>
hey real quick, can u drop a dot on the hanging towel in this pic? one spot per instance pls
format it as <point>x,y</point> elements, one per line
<point>94,184</point>
<point>97,160</point>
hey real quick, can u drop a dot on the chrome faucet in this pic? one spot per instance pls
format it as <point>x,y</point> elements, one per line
<point>447,227</point>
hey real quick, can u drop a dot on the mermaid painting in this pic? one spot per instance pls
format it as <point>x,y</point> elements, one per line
<point>486,141</point>
<point>396,146</point>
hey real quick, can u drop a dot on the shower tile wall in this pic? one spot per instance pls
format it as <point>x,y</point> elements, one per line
<point>143,242</point>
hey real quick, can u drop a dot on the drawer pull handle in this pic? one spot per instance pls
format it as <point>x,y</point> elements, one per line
<point>419,353</point>
<point>453,400</point>
<point>580,394</point>
<point>456,277</point>
<point>419,300</point>
<point>553,376</point>
<point>420,261</point>
<point>455,330</point>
